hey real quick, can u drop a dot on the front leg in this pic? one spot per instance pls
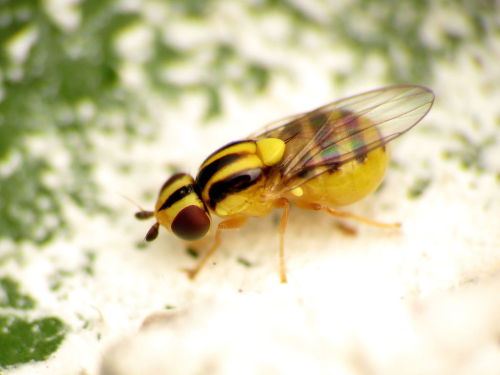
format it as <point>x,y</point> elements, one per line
<point>231,223</point>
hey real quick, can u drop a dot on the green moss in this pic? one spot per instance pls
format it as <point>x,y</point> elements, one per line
<point>214,104</point>
<point>11,296</point>
<point>258,77</point>
<point>192,8</point>
<point>244,262</point>
<point>141,245</point>
<point>85,322</point>
<point>394,164</point>
<point>470,152</point>
<point>381,187</point>
<point>41,97</point>
<point>192,252</point>
<point>56,279</point>
<point>89,265</point>
<point>23,340</point>
<point>419,186</point>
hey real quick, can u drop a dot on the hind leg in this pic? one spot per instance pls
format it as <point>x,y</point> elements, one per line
<point>345,215</point>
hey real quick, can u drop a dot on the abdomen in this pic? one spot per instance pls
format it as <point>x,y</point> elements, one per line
<point>349,183</point>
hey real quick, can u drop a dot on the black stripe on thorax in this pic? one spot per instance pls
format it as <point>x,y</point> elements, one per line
<point>227,145</point>
<point>207,172</point>
<point>177,196</point>
<point>233,184</point>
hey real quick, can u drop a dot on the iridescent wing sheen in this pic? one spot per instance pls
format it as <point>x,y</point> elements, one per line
<point>329,136</point>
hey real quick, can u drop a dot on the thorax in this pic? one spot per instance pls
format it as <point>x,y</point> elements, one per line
<point>232,181</point>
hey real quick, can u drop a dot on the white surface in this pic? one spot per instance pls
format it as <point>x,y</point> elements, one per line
<point>423,300</point>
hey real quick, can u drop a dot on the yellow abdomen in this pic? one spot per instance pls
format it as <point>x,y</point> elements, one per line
<point>349,183</point>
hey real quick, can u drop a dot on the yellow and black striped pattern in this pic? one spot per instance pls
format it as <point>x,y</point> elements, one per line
<point>333,155</point>
<point>229,180</point>
<point>178,192</point>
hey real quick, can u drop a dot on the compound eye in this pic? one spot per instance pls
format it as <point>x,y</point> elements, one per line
<point>191,223</point>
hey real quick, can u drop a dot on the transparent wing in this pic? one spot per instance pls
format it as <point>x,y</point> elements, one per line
<point>329,136</point>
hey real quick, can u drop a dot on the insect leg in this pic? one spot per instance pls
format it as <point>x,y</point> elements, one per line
<point>283,203</point>
<point>346,215</point>
<point>231,223</point>
<point>361,219</point>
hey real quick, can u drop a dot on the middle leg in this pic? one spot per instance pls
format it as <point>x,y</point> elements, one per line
<point>283,203</point>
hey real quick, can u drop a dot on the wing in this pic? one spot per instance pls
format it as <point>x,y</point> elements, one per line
<point>329,136</point>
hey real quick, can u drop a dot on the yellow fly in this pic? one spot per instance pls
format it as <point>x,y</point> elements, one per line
<point>331,156</point>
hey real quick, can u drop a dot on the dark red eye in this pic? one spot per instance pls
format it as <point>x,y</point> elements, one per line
<point>191,223</point>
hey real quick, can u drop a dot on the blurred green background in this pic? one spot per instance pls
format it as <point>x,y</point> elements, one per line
<point>62,77</point>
